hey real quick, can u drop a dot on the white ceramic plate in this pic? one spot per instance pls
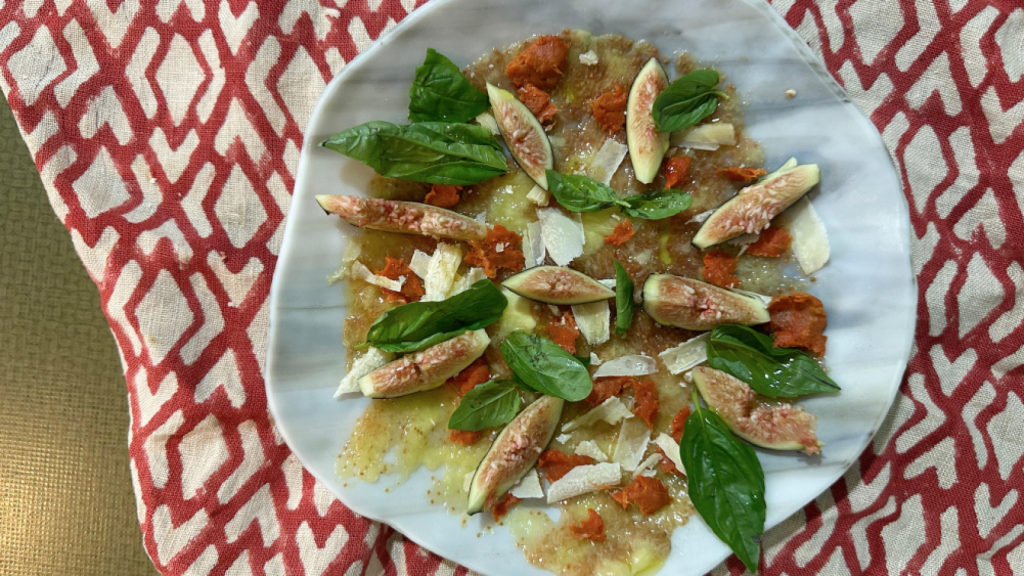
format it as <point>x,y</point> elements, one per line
<point>868,287</point>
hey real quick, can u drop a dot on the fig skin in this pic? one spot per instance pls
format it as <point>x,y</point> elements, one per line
<point>403,217</point>
<point>426,369</point>
<point>696,305</point>
<point>557,285</point>
<point>750,211</point>
<point>515,451</point>
<point>647,146</point>
<point>523,134</point>
<point>777,426</point>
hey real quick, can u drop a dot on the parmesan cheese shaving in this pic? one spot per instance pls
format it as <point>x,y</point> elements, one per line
<point>372,359</point>
<point>444,265</point>
<point>700,218</point>
<point>632,365</point>
<point>352,251</point>
<point>361,272</point>
<point>810,241</point>
<point>706,136</point>
<point>420,264</point>
<point>338,275</point>
<point>744,241</point>
<point>671,449</point>
<point>766,300</point>
<point>533,245</point>
<point>562,234</point>
<point>538,196</point>
<point>648,464</point>
<point>472,276</point>
<point>594,360</point>
<point>563,438</point>
<point>611,411</point>
<point>685,356</point>
<point>590,448</point>
<point>588,58</point>
<point>609,282</point>
<point>594,321</point>
<point>607,160</point>
<point>631,443</point>
<point>583,480</point>
<point>529,486</point>
<point>488,121</point>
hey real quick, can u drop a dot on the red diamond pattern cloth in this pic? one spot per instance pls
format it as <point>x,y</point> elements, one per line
<point>167,134</point>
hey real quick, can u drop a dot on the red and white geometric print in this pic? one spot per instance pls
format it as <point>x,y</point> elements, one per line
<point>167,133</point>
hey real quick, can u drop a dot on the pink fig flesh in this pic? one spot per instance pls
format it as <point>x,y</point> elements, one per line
<point>404,217</point>
<point>557,285</point>
<point>777,426</point>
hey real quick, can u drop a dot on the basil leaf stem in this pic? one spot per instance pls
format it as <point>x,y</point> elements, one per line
<point>687,101</point>
<point>624,304</point>
<point>440,92</point>
<point>725,483</point>
<point>417,325</point>
<point>542,366</point>
<point>774,372</point>
<point>490,404</point>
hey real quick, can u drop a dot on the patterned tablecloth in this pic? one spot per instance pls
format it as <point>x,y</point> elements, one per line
<point>167,135</point>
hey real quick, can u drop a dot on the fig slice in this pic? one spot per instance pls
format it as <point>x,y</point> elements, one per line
<point>426,369</point>
<point>404,217</point>
<point>514,452</point>
<point>523,134</point>
<point>647,146</point>
<point>695,305</point>
<point>778,426</point>
<point>557,285</point>
<point>750,211</point>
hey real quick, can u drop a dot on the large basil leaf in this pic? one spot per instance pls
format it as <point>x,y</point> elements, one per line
<point>687,101</point>
<point>725,483</point>
<point>657,204</point>
<point>624,304</point>
<point>543,366</point>
<point>581,194</point>
<point>417,325</point>
<point>774,372</point>
<point>490,404</point>
<point>434,152</point>
<point>441,92</point>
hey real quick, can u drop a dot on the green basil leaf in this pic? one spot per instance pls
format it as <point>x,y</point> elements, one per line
<point>624,304</point>
<point>725,483</point>
<point>545,367</point>
<point>417,325</point>
<point>433,152</point>
<point>774,372</point>
<point>581,194</point>
<point>657,204</point>
<point>454,133</point>
<point>521,384</point>
<point>687,101</point>
<point>490,404</point>
<point>441,92</point>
